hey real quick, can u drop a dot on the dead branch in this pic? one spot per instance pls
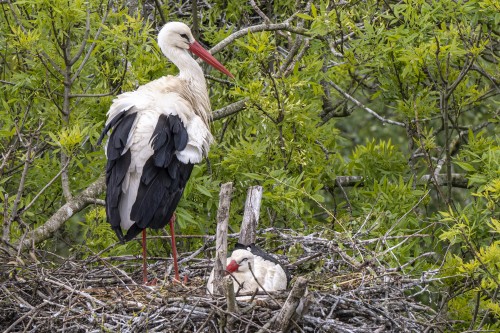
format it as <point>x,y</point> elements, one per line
<point>251,215</point>
<point>221,240</point>
<point>72,207</point>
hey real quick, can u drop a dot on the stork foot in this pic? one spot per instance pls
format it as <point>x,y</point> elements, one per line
<point>182,281</point>
<point>151,283</point>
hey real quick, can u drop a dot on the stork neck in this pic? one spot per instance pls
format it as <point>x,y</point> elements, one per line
<point>191,72</point>
<point>189,69</point>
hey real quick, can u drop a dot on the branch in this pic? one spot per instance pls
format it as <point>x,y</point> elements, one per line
<point>7,82</point>
<point>221,241</point>
<point>28,206</point>
<point>367,109</point>
<point>284,318</point>
<point>260,12</point>
<point>84,42</point>
<point>75,205</point>
<point>258,28</point>
<point>229,109</point>
<point>299,56</point>
<point>251,215</point>
<point>457,180</point>
<point>349,181</point>
<point>65,160</point>
<point>92,46</point>
<point>22,182</point>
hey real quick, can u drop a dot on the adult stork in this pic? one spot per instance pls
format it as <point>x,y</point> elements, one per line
<point>159,131</point>
<point>252,268</point>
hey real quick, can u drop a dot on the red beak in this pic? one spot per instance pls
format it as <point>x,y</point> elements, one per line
<point>197,49</point>
<point>232,267</point>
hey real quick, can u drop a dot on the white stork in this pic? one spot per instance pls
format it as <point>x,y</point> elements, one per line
<point>159,131</point>
<point>251,268</point>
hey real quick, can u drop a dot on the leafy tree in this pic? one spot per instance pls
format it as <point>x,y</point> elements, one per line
<point>373,119</point>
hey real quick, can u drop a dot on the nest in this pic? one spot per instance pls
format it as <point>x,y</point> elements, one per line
<point>105,294</point>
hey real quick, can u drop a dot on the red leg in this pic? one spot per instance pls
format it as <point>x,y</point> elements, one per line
<point>174,248</point>
<point>144,261</point>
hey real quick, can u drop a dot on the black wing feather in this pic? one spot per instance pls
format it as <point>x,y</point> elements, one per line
<point>163,179</point>
<point>117,167</point>
<point>112,124</point>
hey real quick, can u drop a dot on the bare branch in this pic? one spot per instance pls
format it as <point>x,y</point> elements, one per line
<point>57,220</point>
<point>28,206</point>
<point>84,42</point>
<point>284,318</point>
<point>65,159</point>
<point>457,180</point>
<point>257,28</point>
<point>299,56</point>
<point>92,46</point>
<point>260,12</point>
<point>221,241</point>
<point>229,109</point>
<point>367,109</point>
<point>250,215</point>
<point>14,214</point>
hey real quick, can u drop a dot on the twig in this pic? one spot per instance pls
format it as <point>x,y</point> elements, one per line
<point>367,109</point>
<point>28,206</point>
<point>29,313</point>
<point>81,293</point>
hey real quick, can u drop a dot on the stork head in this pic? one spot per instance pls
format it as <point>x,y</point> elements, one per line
<point>177,35</point>
<point>239,260</point>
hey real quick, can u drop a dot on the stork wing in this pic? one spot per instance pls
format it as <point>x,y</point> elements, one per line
<point>163,176</point>
<point>117,167</point>
<point>162,180</point>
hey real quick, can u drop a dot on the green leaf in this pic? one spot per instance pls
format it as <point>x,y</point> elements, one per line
<point>304,16</point>
<point>203,190</point>
<point>255,176</point>
<point>466,166</point>
<point>314,11</point>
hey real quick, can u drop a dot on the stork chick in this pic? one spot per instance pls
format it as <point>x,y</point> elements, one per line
<point>253,269</point>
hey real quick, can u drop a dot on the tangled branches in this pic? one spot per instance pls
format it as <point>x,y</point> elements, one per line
<point>101,294</point>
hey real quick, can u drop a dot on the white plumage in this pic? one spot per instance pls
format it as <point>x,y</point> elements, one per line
<point>149,102</point>
<point>268,274</point>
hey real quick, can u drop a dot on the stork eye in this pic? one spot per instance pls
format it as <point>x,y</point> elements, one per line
<point>185,37</point>
<point>242,260</point>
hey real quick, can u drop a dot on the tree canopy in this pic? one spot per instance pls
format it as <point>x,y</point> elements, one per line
<point>373,119</point>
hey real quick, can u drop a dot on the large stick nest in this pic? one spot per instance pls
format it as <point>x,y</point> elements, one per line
<point>105,294</point>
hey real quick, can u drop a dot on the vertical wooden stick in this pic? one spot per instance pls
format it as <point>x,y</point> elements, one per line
<point>230,296</point>
<point>221,237</point>
<point>283,320</point>
<point>251,216</point>
<point>232,307</point>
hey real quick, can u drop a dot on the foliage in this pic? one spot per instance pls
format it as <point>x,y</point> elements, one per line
<point>401,94</point>
<point>473,231</point>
